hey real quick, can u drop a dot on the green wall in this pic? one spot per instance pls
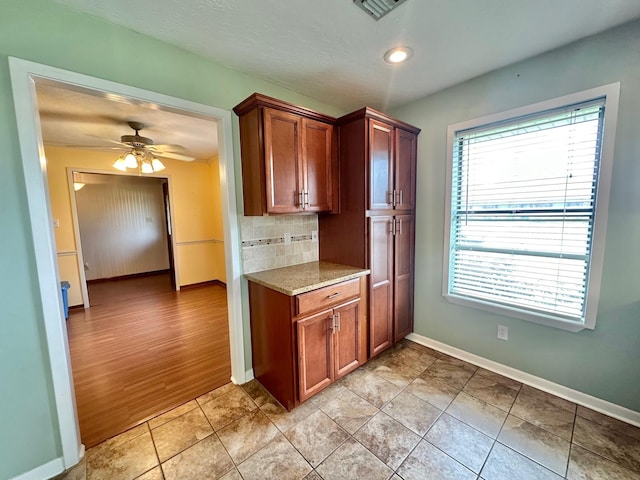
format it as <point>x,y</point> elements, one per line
<point>47,33</point>
<point>604,362</point>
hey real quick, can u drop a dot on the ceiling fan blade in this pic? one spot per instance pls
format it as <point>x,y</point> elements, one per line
<point>174,156</point>
<point>166,147</point>
<point>108,140</point>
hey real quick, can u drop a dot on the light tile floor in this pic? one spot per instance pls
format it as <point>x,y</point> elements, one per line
<point>411,413</point>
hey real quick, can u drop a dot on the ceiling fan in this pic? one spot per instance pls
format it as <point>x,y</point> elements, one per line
<point>143,152</point>
<point>136,141</point>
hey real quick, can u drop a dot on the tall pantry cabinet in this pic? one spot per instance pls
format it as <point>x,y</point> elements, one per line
<point>376,225</point>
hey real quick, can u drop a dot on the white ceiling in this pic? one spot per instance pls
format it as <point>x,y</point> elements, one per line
<point>332,51</point>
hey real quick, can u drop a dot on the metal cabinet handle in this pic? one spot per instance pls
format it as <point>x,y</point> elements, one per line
<point>306,199</point>
<point>333,324</point>
<point>338,317</point>
<point>401,199</point>
<point>334,295</point>
<point>392,226</point>
<point>300,203</point>
<point>390,197</point>
<point>397,226</point>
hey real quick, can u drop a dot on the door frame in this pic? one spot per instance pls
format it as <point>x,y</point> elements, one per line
<point>173,266</point>
<point>24,76</point>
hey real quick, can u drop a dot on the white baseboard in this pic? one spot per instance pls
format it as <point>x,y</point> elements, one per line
<point>248,376</point>
<point>616,411</point>
<point>48,470</point>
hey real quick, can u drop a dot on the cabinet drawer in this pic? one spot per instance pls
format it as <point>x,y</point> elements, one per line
<point>327,296</point>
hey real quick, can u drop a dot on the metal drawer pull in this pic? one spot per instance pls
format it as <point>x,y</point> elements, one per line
<point>401,200</point>
<point>333,324</point>
<point>334,295</point>
<point>300,203</point>
<point>306,199</point>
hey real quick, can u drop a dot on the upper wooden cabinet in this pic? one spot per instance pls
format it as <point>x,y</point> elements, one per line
<point>289,158</point>
<point>392,166</point>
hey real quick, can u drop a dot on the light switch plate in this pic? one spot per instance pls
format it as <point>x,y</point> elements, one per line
<point>314,235</point>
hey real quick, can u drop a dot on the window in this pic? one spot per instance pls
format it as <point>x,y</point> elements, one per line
<point>526,212</point>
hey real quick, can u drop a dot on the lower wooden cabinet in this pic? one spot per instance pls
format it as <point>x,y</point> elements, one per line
<point>302,344</point>
<point>328,347</point>
<point>392,259</point>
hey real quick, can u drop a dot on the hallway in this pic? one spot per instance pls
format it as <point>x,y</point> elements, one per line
<point>143,349</point>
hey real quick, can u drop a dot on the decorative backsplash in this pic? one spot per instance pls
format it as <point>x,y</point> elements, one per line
<point>265,241</point>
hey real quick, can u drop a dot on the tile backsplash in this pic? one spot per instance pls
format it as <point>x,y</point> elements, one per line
<point>263,241</point>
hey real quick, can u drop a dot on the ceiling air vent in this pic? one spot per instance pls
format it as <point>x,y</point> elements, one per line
<point>378,8</point>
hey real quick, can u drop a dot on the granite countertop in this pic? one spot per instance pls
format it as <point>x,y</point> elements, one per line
<point>305,277</point>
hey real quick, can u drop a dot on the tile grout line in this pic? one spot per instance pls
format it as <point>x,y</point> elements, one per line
<point>423,437</point>
<point>403,389</point>
<point>442,413</point>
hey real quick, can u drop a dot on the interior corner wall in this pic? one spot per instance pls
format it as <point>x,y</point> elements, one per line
<point>602,362</point>
<point>45,32</point>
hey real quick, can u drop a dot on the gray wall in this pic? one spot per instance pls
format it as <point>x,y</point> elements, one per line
<point>605,362</point>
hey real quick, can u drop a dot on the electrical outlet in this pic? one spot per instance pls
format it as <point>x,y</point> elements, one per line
<point>503,332</point>
<point>287,238</point>
<point>314,235</point>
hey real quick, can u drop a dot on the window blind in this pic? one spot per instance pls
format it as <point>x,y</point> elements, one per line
<point>523,209</point>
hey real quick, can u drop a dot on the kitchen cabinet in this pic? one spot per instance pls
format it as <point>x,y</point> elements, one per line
<point>392,167</point>
<point>391,297</point>
<point>289,158</point>
<point>304,342</point>
<point>376,225</point>
<point>328,347</point>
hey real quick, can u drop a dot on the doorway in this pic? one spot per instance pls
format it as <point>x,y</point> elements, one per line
<point>24,76</point>
<point>124,232</point>
<point>142,348</point>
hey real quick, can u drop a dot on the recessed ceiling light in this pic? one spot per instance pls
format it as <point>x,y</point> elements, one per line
<point>398,55</point>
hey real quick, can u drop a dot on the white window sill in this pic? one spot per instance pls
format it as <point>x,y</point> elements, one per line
<point>540,318</point>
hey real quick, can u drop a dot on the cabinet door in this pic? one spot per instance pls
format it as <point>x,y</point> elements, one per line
<point>315,353</point>
<point>403,276</point>
<point>347,338</point>
<point>380,165</point>
<point>406,144</point>
<point>317,149</point>
<point>283,165</point>
<point>380,284</point>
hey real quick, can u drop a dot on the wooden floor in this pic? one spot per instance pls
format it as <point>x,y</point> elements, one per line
<point>142,349</point>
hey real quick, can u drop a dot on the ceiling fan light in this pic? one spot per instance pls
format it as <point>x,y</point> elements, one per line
<point>131,161</point>
<point>120,164</point>
<point>146,167</point>
<point>157,165</point>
